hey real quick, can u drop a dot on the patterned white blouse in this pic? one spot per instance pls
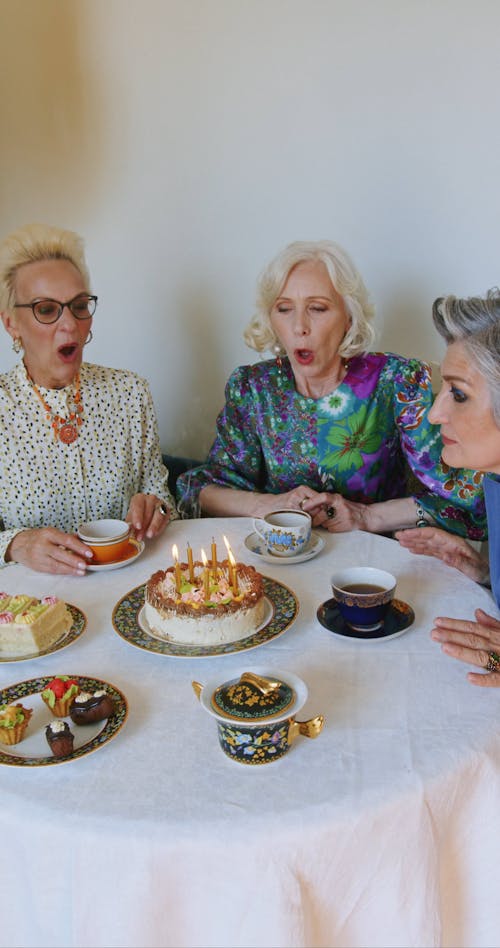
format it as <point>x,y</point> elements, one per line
<point>44,482</point>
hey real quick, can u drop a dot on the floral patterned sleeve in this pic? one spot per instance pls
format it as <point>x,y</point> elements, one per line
<point>453,497</point>
<point>235,458</point>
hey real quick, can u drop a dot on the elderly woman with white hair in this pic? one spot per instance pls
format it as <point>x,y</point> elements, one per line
<point>468,410</point>
<point>78,442</point>
<point>327,425</point>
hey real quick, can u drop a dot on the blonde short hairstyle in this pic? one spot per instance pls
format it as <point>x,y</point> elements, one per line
<point>31,244</point>
<point>259,333</point>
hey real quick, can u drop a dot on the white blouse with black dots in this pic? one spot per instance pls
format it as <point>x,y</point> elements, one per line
<point>44,482</point>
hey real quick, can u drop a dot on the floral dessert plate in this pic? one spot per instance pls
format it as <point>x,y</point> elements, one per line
<point>67,638</point>
<point>136,547</point>
<point>128,620</point>
<point>398,619</point>
<point>33,750</point>
<point>257,546</point>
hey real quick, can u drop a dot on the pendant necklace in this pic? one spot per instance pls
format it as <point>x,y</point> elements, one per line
<point>65,429</point>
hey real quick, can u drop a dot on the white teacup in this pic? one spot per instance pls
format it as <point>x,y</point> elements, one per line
<point>285,532</point>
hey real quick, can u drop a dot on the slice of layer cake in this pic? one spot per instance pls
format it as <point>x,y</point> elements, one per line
<point>30,625</point>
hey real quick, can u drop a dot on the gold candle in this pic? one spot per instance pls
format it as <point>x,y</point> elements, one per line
<point>233,573</point>
<point>190,563</point>
<point>214,558</point>
<point>206,576</point>
<point>177,568</point>
<point>230,569</point>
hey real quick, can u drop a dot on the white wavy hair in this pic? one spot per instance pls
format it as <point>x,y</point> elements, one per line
<point>346,279</point>
<point>31,244</point>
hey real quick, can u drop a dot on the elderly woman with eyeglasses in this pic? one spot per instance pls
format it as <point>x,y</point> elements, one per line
<point>328,426</point>
<point>78,442</point>
<point>468,411</point>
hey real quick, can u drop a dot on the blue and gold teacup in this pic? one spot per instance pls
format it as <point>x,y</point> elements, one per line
<point>363,594</point>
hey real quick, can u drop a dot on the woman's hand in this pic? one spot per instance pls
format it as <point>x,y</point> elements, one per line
<point>334,512</point>
<point>147,515</point>
<point>48,550</point>
<point>451,549</point>
<point>477,643</point>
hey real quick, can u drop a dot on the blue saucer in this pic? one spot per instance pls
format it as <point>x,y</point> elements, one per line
<point>398,619</point>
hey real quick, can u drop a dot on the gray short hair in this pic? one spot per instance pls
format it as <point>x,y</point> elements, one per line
<point>259,333</point>
<point>31,244</point>
<point>475,322</point>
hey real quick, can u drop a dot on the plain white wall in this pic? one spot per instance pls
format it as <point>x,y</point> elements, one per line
<point>189,140</point>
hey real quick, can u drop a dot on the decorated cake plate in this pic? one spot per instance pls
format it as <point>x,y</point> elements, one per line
<point>128,620</point>
<point>67,638</point>
<point>33,750</point>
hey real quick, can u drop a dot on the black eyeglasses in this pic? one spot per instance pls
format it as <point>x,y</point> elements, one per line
<point>49,311</point>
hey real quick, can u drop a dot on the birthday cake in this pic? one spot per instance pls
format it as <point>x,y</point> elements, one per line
<point>205,606</point>
<point>31,625</point>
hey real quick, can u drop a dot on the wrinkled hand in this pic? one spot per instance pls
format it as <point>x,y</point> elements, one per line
<point>49,551</point>
<point>145,517</point>
<point>471,642</point>
<point>451,549</point>
<point>335,513</point>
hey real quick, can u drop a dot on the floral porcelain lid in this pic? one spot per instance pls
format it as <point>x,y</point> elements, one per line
<point>252,698</point>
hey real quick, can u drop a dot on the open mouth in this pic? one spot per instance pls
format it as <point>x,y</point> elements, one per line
<point>304,356</point>
<point>68,351</point>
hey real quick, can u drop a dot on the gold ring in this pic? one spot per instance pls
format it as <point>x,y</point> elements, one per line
<point>493,663</point>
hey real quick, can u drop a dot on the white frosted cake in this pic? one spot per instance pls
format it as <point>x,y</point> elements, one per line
<point>205,611</point>
<point>31,625</point>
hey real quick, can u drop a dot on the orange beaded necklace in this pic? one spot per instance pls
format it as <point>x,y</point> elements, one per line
<point>65,429</point>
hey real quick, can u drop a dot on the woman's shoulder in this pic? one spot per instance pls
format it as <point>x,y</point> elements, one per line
<point>392,365</point>
<point>257,374</point>
<point>103,375</point>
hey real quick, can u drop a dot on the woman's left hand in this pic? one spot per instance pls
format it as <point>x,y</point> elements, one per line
<point>477,643</point>
<point>147,515</point>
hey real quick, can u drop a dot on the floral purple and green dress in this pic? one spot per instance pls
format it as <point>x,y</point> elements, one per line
<point>366,440</point>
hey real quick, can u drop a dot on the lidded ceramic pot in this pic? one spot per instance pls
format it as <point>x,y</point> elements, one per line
<point>255,714</point>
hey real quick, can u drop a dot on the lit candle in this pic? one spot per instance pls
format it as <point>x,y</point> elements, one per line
<point>234,572</point>
<point>214,558</point>
<point>190,564</point>
<point>228,548</point>
<point>177,568</point>
<point>206,576</point>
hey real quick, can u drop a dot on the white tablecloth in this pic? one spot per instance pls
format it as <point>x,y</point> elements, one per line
<point>382,832</point>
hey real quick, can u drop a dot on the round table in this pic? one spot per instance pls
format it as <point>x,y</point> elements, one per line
<point>382,831</point>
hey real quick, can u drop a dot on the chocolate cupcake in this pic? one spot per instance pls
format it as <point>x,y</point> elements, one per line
<point>88,708</point>
<point>59,738</point>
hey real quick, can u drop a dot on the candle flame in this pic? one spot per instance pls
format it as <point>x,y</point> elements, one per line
<point>204,558</point>
<point>175,552</point>
<point>231,558</point>
<point>226,541</point>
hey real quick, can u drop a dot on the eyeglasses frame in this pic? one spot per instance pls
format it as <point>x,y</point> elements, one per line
<point>47,299</point>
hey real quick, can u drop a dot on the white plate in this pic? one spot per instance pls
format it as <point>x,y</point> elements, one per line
<point>258,548</point>
<point>99,567</point>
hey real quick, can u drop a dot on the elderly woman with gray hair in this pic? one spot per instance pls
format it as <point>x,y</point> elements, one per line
<point>468,410</point>
<point>327,425</point>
